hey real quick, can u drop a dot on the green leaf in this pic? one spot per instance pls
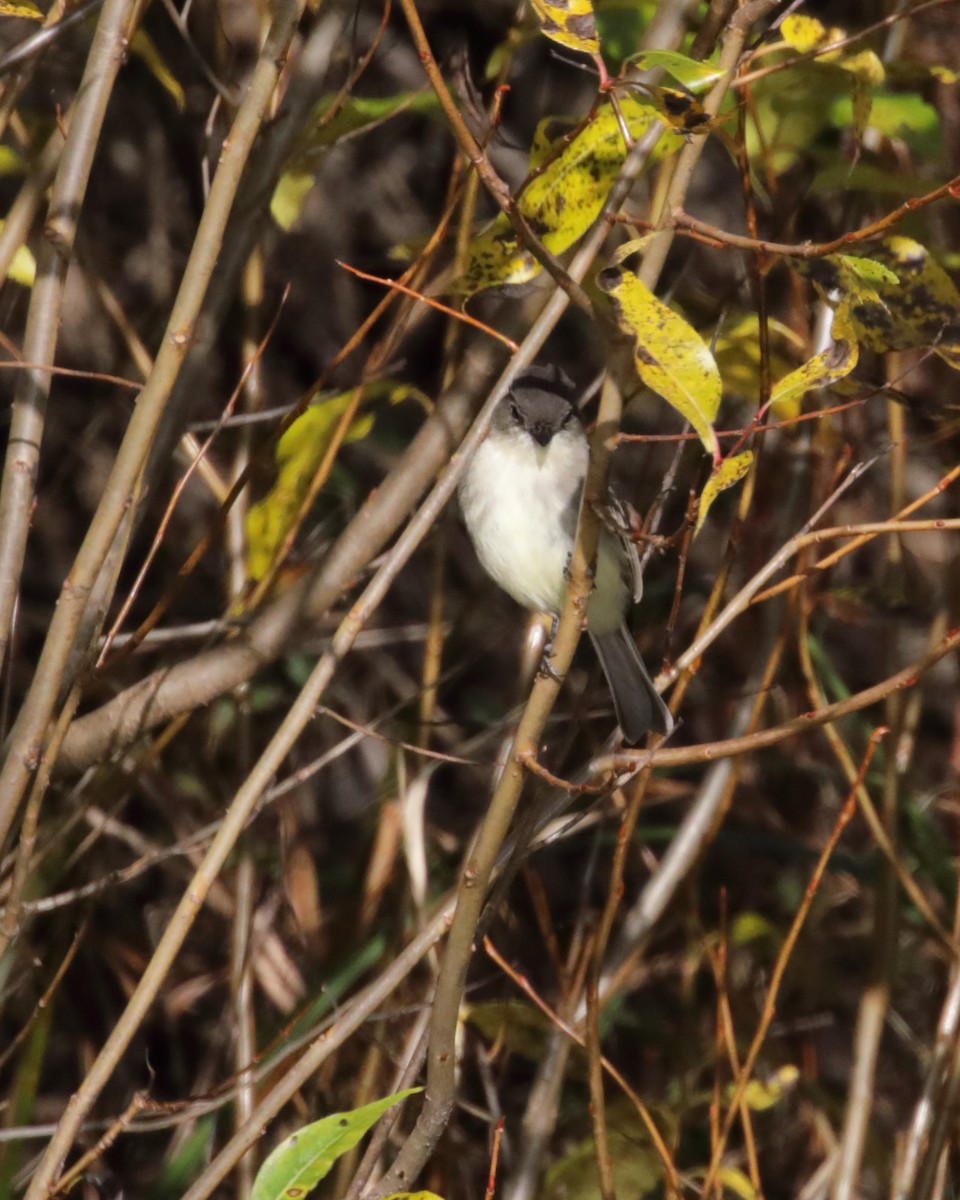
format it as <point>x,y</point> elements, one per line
<point>335,120</point>
<point>637,1168</point>
<point>728,473</point>
<point>571,23</point>
<point>621,25</point>
<point>911,73</point>
<point>669,355</point>
<point>303,1159</point>
<point>901,115</point>
<point>868,269</point>
<point>518,1026</point>
<point>793,111</point>
<point>697,76</point>
<point>876,181</point>
<point>865,69</point>
<point>569,179</point>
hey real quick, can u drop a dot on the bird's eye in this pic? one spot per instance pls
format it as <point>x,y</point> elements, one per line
<point>515,412</point>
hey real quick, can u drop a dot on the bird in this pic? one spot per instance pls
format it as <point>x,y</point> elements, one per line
<point>520,500</point>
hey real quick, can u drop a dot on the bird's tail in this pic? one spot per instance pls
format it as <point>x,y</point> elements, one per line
<point>638,704</point>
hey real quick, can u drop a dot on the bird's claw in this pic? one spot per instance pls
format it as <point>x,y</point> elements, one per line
<point>547,669</point>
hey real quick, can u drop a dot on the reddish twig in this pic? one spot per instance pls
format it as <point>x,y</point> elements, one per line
<point>397,286</point>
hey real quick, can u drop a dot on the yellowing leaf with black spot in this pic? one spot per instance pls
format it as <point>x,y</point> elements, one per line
<point>569,178</point>
<point>497,260</point>
<point>825,368</point>
<point>298,1164</point>
<point>669,355</point>
<point>573,177</point>
<point>680,110</point>
<point>916,305</point>
<point>569,22</point>
<point>299,454</point>
<point>726,475</point>
<point>20,8</point>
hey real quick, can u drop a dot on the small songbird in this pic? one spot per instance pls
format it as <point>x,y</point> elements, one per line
<point>520,498</point>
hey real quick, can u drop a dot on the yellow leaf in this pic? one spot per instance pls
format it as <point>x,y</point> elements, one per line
<point>299,454</point>
<point>23,268</point>
<point>569,179</point>
<point>823,369</point>
<point>288,198</point>
<point>760,1095</point>
<point>143,47</point>
<point>413,1196</point>
<point>865,66</point>
<point>10,161</point>
<point>729,472</point>
<point>669,355</point>
<point>804,34</point>
<point>750,927</point>
<point>20,8</point>
<point>569,22</point>
<point>737,1182</point>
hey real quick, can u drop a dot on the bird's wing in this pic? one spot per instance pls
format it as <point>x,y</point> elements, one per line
<point>615,515</point>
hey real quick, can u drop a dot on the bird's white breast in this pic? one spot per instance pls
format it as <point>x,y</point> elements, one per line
<point>512,514</point>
